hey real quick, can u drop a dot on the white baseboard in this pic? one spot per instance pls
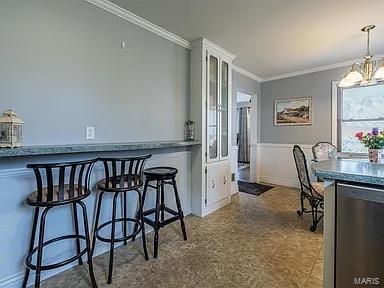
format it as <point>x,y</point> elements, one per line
<point>280,181</point>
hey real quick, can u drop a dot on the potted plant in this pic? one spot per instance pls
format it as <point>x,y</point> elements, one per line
<point>374,141</point>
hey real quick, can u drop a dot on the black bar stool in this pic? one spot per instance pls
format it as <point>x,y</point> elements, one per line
<point>59,191</point>
<point>122,175</point>
<point>162,176</point>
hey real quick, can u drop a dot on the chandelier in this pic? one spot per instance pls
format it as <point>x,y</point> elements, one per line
<point>368,72</point>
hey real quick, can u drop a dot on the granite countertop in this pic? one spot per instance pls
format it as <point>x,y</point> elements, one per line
<point>359,171</point>
<point>87,148</point>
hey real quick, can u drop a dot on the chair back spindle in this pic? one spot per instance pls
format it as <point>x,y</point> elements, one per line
<point>63,181</point>
<point>121,173</point>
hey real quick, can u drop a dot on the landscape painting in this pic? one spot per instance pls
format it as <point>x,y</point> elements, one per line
<point>296,111</point>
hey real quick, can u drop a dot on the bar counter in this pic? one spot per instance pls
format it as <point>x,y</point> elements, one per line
<point>353,220</point>
<point>16,182</point>
<point>87,148</point>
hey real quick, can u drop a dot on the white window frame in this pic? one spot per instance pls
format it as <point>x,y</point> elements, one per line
<point>334,128</point>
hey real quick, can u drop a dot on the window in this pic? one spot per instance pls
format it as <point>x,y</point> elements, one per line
<point>360,109</point>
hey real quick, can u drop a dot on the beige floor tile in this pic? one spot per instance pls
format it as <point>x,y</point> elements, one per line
<point>257,241</point>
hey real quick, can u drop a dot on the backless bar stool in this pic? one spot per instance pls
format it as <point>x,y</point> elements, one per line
<point>64,189</point>
<point>122,175</point>
<point>162,176</point>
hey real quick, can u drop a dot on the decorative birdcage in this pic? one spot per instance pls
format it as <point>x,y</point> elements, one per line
<point>11,130</point>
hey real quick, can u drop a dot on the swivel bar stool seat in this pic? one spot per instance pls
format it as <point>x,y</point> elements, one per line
<point>163,176</point>
<point>67,184</point>
<point>122,175</point>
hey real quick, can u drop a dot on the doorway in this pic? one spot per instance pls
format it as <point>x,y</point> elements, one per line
<point>243,139</point>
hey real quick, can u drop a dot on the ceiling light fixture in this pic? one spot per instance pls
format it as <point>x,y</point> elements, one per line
<point>367,72</point>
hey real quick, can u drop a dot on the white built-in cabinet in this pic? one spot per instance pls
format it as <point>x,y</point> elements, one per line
<point>210,102</point>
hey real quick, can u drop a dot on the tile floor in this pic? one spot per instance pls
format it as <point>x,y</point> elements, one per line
<point>257,241</point>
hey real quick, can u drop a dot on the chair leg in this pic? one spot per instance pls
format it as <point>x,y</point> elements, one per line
<point>96,224</point>
<point>88,243</point>
<point>179,209</point>
<point>137,217</point>
<point>31,244</point>
<point>112,247</point>
<point>162,205</point>
<point>125,217</point>
<point>157,223</point>
<point>314,218</point>
<point>76,220</point>
<point>300,212</point>
<point>40,247</point>
<point>141,208</point>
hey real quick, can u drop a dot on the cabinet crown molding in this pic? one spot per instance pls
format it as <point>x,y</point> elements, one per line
<point>205,41</point>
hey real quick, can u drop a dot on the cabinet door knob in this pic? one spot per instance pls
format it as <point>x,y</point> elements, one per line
<point>213,184</point>
<point>225,180</point>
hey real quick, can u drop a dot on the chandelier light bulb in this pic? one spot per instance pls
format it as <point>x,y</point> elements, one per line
<point>346,83</point>
<point>354,76</point>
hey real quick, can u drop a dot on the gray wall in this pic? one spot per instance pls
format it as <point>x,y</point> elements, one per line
<point>62,69</point>
<point>317,85</point>
<point>247,85</point>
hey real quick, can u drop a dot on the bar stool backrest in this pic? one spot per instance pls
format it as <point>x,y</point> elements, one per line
<point>130,168</point>
<point>58,182</point>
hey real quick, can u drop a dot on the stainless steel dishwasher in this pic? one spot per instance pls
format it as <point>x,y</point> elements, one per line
<point>359,231</point>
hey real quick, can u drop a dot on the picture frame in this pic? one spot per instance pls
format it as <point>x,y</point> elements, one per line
<point>293,112</point>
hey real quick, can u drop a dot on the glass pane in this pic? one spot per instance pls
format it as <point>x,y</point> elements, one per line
<point>212,108</point>
<point>349,129</point>
<point>224,110</point>
<point>363,102</point>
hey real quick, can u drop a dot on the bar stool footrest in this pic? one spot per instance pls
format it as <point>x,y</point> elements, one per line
<point>28,259</point>
<point>162,223</point>
<point>121,239</point>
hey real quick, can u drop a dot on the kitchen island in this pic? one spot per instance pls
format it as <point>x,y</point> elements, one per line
<point>16,182</point>
<point>353,222</point>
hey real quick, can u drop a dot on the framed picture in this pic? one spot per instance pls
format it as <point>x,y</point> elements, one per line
<point>297,111</point>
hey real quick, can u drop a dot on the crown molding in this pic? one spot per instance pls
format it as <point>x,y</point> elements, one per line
<point>135,19</point>
<point>316,69</point>
<point>247,73</point>
<point>205,41</point>
<point>131,17</point>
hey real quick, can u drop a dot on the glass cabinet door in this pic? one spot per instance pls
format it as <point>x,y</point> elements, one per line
<point>224,137</point>
<point>212,117</point>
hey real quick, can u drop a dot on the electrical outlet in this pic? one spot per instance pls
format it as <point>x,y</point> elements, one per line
<point>90,133</point>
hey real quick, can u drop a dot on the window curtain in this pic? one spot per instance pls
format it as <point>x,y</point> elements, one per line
<point>243,115</point>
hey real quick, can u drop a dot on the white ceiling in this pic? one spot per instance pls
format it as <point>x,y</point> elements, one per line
<point>272,37</point>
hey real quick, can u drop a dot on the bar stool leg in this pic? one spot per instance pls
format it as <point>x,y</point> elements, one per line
<point>40,247</point>
<point>162,205</point>
<point>96,224</point>
<point>125,216</point>
<point>88,243</point>
<point>141,208</point>
<point>138,212</point>
<point>179,209</point>
<point>112,238</point>
<point>76,220</point>
<point>31,244</point>
<point>157,223</point>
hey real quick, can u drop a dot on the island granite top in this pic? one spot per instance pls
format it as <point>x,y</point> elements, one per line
<point>350,170</point>
<point>89,148</point>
